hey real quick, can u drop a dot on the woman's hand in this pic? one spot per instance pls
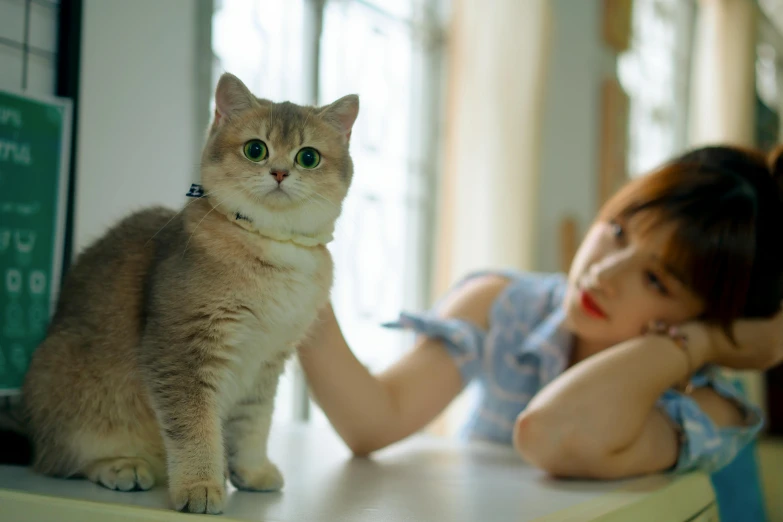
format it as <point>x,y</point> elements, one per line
<point>759,344</point>
<point>324,323</point>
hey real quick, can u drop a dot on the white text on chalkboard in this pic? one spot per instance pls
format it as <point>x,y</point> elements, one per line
<point>10,116</point>
<point>18,153</point>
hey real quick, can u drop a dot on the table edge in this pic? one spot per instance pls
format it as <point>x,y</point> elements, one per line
<point>683,497</point>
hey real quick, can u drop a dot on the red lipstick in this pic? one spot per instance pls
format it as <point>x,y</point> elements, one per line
<point>590,306</point>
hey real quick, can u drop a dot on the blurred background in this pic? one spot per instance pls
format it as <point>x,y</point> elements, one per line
<point>489,133</point>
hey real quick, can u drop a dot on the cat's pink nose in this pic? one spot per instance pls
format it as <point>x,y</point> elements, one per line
<point>279,174</point>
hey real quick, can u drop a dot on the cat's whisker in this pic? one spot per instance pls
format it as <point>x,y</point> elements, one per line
<point>315,193</point>
<point>186,206</point>
<point>312,200</point>
<point>199,223</point>
<point>316,202</point>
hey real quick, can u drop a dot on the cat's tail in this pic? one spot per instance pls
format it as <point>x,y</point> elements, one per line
<point>15,446</point>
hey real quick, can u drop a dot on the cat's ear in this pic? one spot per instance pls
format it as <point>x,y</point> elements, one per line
<point>231,97</point>
<point>342,114</point>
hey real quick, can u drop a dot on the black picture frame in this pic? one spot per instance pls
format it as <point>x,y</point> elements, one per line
<point>69,38</point>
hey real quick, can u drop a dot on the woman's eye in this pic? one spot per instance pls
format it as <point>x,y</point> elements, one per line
<point>617,229</point>
<point>655,281</point>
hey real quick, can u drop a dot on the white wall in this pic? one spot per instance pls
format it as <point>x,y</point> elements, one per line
<point>138,142</point>
<point>578,63</point>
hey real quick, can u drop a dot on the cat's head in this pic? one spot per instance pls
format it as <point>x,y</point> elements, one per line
<point>283,166</point>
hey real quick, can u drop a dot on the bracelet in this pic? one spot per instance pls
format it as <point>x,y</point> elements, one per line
<point>680,340</point>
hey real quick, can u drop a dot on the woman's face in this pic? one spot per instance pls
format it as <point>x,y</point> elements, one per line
<point>618,283</point>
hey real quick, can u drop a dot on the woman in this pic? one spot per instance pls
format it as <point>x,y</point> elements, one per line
<point>681,273</point>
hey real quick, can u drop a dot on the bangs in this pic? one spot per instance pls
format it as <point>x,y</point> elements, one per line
<point>677,256</point>
<point>695,253</point>
<point>712,219</point>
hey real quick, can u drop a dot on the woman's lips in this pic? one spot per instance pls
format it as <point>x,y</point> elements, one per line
<point>590,306</point>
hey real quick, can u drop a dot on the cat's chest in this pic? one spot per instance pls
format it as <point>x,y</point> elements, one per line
<point>282,294</point>
<point>274,302</point>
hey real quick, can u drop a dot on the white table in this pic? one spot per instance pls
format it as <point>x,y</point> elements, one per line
<point>421,479</point>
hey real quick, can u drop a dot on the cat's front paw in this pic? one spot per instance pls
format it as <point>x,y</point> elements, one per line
<point>264,478</point>
<point>199,497</point>
<point>123,474</point>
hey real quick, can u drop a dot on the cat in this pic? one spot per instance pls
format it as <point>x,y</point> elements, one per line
<point>162,359</point>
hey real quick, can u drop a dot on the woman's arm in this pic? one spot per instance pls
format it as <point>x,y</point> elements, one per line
<point>371,412</point>
<point>598,419</point>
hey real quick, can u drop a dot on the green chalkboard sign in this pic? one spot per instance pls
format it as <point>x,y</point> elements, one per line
<point>34,158</point>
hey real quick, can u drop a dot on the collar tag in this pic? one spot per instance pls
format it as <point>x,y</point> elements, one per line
<point>196,191</point>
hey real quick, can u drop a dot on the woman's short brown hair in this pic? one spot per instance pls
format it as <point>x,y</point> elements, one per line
<point>727,207</point>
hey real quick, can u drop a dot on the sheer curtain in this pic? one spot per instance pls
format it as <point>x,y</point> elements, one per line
<point>496,62</point>
<point>492,147</point>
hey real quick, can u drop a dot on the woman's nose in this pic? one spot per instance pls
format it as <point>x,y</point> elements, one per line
<point>605,278</point>
<point>610,272</point>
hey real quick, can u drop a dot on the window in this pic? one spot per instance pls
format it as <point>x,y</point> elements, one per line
<point>769,74</point>
<point>388,52</point>
<point>655,73</point>
<point>28,38</point>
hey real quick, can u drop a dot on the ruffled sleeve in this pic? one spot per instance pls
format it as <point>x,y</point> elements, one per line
<point>463,340</point>
<point>704,445</point>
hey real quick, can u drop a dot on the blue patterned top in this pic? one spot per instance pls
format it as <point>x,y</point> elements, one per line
<point>527,346</point>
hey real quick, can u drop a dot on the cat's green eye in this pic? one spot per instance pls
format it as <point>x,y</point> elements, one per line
<point>308,158</point>
<point>255,150</point>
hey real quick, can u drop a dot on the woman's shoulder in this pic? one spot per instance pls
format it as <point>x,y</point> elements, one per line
<point>531,282</point>
<point>518,295</point>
